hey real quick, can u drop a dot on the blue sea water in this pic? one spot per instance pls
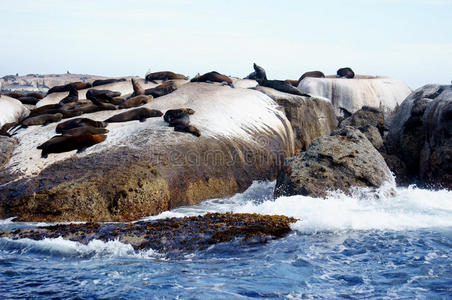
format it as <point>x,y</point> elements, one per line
<point>384,244</point>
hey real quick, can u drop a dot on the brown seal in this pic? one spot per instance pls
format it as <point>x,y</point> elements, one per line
<point>173,114</point>
<point>101,96</point>
<point>315,74</point>
<point>162,89</point>
<point>107,81</point>
<point>35,95</point>
<point>41,120</point>
<point>137,89</point>
<point>65,143</point>
<point>345,73</point>
<point>42,110</point>
<point>29,100</point>
<point>281,86</point>
<point>65,88</point>
<point>188,128</point>
<point>72,97</point>
<point>15,95</point>
<point>79,122</point>
<point>164,75</point>
<point>136,101</point>
<point>292,82</point>
<point>140,114</point>
<point>213,77</point>
<point>85,129</point>
<point>260,72</point>
<point>90,107</point>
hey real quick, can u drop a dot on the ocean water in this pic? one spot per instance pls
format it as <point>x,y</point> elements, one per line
<point>384,244</point>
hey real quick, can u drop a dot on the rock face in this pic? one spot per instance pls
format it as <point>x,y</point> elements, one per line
<point>421,136</point>
<point>144,168</point>
<point>349,95</point>
<point>11,110</point>
<point>170,235</point>
<point>7,146</point>
<point>310,117</point>
<point>340,161</point>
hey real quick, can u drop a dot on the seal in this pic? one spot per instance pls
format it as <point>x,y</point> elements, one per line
<point>28,100</point>
<point>41,120</point>
<point>90,107</point>
<point>163,75</point>
<point>315,74</point>
<point>107,81</point>
<point>65,88</point>
<point>72,97</point>
<point>292,82</point>
<point>140,114</point>
<point>65,143</point>
<point>15,95</point>
<point>281,86</point>
<point>345,73</point>
<point>136,101</point>
<point>101,96</point>
<point>35,95</point>
<point>162,89</point>
<point>85,129</point>
<point>79,122</point>
<point>137,89</point>
<point>260,72</point>
<point>213,77</point>
<point>188,128</point>
<point>173,114</point>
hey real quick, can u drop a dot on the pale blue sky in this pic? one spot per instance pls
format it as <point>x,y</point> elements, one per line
<point>405,39</point>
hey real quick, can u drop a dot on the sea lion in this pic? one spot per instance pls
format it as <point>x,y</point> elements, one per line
<point>189,128</point>
<point>72,97</point>
<point>173,114</point>
<point>28,100</point>
<point>35,95</point>
<point>251,75</point>
<point>281,86</point>
<point>292,82</point>
<point>79,122</point>
<point>162,89</point>
<point>54,109</point>
<point>137,89</point>
<point>41,120</point>
<point>163,75</point>
<point>315,74</point>
<point>85,129</point>
<point>101,96</point>
<point>213,77</point>
<point>117,100</point>
<point>107,81</point>
<point>6,127</point>
<point>136,101</point>
<point>90,107</point>
<point>345,73</point>
<point>15,95</point>
<point>65,88</point>
<point>260,72</point>
<point>65,143</point>
<point>140,114</point>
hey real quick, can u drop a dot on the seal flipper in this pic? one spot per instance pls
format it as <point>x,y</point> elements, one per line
<point>153,81</point>
<point>44,154</point>
<point>81,150</point>
<point>142,119</point>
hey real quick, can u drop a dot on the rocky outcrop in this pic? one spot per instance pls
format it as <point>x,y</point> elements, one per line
<point>310,117</point>
<point>144,168</point>
<point>349,95</point>
<point>7,145</point>
<point>421,136</point>
<point>170,235</point>
<point>11,110</point>
<point>337,162</point>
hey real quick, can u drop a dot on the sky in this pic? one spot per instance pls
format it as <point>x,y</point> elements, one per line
<point>409,40</point>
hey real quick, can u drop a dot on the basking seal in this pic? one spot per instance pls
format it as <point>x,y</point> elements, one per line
<point>162,89</point>
<point>107,81</point>
<point>213,77</point>
<point>35,95</point>
<point>140,114</point>
<point>281,86</point>
<point>136,101</point>
<point>137,89</point>
<point>72,97</point>
<point>173,114</point>
<point>65,143</point>
<point>85,129</point>
<point>41,120</point>
<point>345,73</point>
<point>260,72</point>
<point>15,95</point>
<point>292,82</point>
<point>188,128</point>
<point>315,74</point>
<point>28,100</point>
<point>79,122</point>
<point>65,88</point>
<point>101,96</point>
<point>163,75</point>
<point>90,107</point>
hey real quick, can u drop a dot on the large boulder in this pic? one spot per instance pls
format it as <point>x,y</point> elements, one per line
<point>349,95</point>
<point>421,136</point>
<point>310,117</point>
<point>144,168</point>
<point>11,110</point>
<point>337,162</point>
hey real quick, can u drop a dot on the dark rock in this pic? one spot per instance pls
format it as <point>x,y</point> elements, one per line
<point>340,161</point>
<point>7,145</point>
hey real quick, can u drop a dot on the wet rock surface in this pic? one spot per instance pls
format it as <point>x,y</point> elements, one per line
<point>170,235</point>
<point>337,162</point>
